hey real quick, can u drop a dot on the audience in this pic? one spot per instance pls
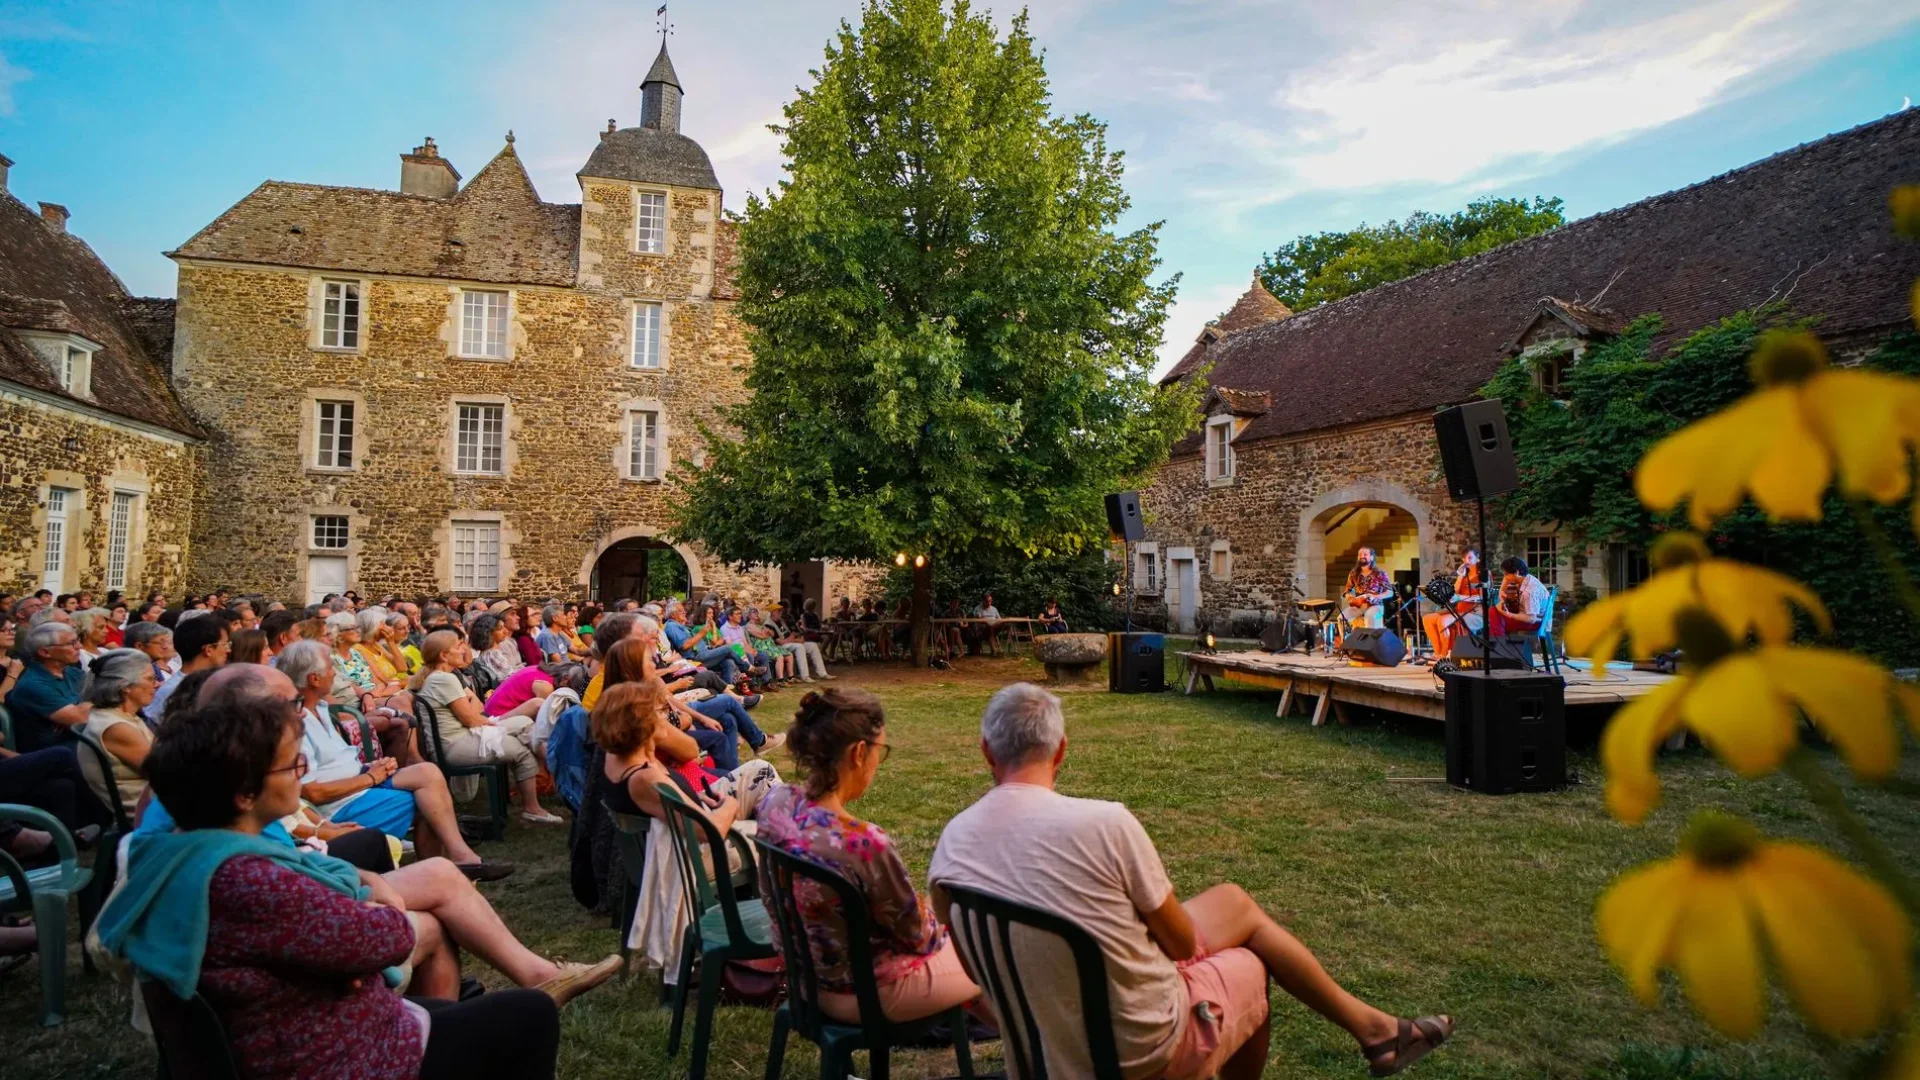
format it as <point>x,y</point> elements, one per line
<point>524,627</point>
<point>468,736</point>
<point>203,644</point>
<point>93,628</point>
<point>155,642</point>
<point>120,684</point>
<point>45,700</point>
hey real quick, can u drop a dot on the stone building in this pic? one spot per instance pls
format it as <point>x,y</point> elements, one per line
<point>1317,436</point>
<point>464,388</point>
<point>99,465</point>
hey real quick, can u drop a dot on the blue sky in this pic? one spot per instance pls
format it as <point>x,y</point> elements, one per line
<point>1246,122</point>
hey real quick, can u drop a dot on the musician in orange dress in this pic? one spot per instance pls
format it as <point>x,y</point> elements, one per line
<point>1443,626</point>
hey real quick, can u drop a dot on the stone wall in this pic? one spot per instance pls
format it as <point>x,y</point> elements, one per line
<point>162,470</point>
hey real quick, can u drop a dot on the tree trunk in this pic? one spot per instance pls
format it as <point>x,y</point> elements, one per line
<point>920,618</point>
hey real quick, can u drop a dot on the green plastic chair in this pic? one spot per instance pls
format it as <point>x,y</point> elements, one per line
<point>721,924</point>
<point>801,1011</point>
<point>498,779</point>
<point>106,857</point>
<point>630,834</point>
<point>43,893</point>
<point>370,748</point>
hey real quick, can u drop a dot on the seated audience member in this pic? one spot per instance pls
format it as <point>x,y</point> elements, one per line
<point>383,644</point>
<point>45,700</point>
<point>92,627</point>
<point>467,734</point>
<point>1091,862</point>
<point>839,739</point>
<point>524,626</point>
<point>1052,620</point>
<point>627,724</point>
<point>696,644</point>
<point>203,644</point>
<point>51,779</point>
<point>381,794</point>
<point>249,647</point>
<point>715,725</point>
<point>10,665</point>
<point>989,633</point>
<point>294,934</point>
<point>744,630</point>
<point>282,629</point>
<point>120,684</point>
<point>116,623</point>
<point>613,630</point>
<point>808,659</point>
<point>385,703</point>
<point>493,647</point>
<point>555,647</point>
<point>155,642</point>
<point>523,691</point>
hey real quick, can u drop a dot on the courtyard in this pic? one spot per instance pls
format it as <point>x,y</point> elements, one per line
<point>1420,898</point>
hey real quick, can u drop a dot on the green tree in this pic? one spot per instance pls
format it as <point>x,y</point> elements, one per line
<point>1328,266</point>
<point>951,344</point>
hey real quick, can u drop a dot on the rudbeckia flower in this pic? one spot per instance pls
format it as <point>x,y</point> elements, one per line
<point>1784,443</point>
<point>1730,900</point>
<point>1744,599</point>
<point>1745,707</point>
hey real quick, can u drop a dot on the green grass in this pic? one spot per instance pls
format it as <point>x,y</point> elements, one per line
<point>1418,898</point>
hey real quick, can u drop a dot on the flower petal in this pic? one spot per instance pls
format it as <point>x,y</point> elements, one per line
<point>1788,480</point>
<point>1717,956</point>
<point>1740,716</point>
<point>1826,967</point>
<point>1848,696</point>
<point>1628,745</point>
<point>1652,608</point>
<point>1595,622</point>
<point>1751,599</point>
<point>1635,920</point>
<point>1854,413</point>
<point>1710,460</point>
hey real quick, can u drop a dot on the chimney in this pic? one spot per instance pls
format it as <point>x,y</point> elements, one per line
<point>5,164</point>
<point>54,215</point>
<point>425,172</point>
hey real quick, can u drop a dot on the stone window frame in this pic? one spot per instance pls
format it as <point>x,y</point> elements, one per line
<point>508,455</point>
<point>317,308</point>
<point>633,336</point>
<point>1147,553</point>
<point>666,220</point>
<point>310,429</point>
<point>137,486</point>
<point>1220,560</point>
<point>306,549</point>
<point>444,542</point>
<point>1531,544</point>
<point>623,451</point>
<point>58,350</point>
<point>1216,477</point>
<point>457,321</point>
<point>73,533</point>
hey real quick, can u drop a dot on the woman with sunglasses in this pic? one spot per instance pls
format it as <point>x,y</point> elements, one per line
<point>839,738</point>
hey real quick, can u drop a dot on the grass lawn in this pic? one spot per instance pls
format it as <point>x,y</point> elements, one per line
<point>1418,898</point>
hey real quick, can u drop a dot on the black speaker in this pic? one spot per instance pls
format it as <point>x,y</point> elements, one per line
<point>1375,644</point>
<point>1506,731</point>
<point>1136,663</point>
<point>1282,635</point>
<point>1475,450</point>
<point>1123,517</point>
<point>1504,653</point>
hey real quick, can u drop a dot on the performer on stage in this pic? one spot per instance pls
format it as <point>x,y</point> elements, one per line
<point>1523,600</point>
<point>1443,626</point>
<point>1367,592</point>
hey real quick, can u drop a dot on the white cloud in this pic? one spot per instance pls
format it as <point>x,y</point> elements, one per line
<point>10,74</point>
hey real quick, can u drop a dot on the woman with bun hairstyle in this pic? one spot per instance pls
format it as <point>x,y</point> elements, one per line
<point>839,739</point>
<point>644,748</point>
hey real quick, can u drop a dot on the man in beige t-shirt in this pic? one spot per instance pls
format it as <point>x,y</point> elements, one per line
<point>1186,983</point>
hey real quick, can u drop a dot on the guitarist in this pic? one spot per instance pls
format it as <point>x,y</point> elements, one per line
<point>1367,592</point>
<point>1442,626</point>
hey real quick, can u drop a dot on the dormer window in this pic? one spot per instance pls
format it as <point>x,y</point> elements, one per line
<point>1220,457</point>
<point>69,356</point>
<point>650,222</point>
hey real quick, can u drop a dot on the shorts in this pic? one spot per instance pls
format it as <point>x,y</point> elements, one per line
<point>1232,985</point>
<point>382,807</point>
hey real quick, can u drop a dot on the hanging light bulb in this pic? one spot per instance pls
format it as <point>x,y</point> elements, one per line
<point>900,559</point>
<point>919,560</point>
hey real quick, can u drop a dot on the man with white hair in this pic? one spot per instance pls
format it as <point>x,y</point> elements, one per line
<point>1187,982</point>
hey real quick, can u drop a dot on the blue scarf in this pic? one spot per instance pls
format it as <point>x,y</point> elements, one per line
<point>157,921</point>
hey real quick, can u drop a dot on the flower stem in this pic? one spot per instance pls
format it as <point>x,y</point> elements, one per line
<point>1883,547</point>
<point>1825,792</point>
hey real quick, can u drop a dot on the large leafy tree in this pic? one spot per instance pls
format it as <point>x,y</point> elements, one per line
<point>1328,266</point>
<point>951,342</point>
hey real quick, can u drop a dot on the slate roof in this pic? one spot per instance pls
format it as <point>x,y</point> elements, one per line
<point>1256,307</point>
<point>495,229</point>
<point>1808,226</point>
<point>1238,402</point>
<point>662,70</point>
<point>53,281</point>
<point>645,155</point>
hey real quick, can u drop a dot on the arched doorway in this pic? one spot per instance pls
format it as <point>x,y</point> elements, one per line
<point>633,562</point>
<point>1370,512</point>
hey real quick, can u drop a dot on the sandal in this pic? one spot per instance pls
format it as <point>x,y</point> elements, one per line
<point>1415,1040</point>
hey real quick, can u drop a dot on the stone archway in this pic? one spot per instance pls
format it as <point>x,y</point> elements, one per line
<point>650,538</point>
<point>1310,540</point>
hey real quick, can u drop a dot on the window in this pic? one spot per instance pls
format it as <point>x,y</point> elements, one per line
<point>1543,558</point>
<point>333,434</point>
<point>646,335</point>
<point>643,445</point>
<point>76,370</point>
<point>1220,448</point>
<point>330,531</point>
<point>119,538</point>
<point>1629,568</point>
<point>650,223</point>
<point>54,565</point>
<point>483,324</point>
<point>1220,565</point>
<point>340,315</point>
<point>480,439</point>
<point>476,556</point>
<point>1146,570</point>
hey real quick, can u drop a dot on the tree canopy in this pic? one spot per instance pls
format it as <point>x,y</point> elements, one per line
<point>951,344</point>
<point>1328,266</point>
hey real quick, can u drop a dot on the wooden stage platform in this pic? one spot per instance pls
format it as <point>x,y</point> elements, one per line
<point>1409,689</point>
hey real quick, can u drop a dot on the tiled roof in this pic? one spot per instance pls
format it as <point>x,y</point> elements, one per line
<point>1238,402</point>
<point>646,155</point>
<point>52,280</point>
<point>1256,307</point>
<point>1808,226</point>
<point>662,70</point>
<point>495,229</point>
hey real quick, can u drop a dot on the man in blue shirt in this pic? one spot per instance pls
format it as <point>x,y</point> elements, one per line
<point>46,703</point>
<point>719,658</point>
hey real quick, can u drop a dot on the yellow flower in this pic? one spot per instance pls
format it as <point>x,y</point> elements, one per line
<point>1745,707</point>
<point>1904,201</point>
<point>1784,442</point>
<point>1840,944</point>
<point>1745,599</point>
<point>1905,1062</point>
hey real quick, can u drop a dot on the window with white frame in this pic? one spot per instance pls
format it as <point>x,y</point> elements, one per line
<point>480,438</point>
<point>644,452</point>
<point>120,537</point>
<point>1543,558</point>
<point>333,434</point>
<point>1146,570</point>
<point>76,370</point>
<point>340,315</point>
<point>330,531</point>
<point>476,556</point>
<point>647,317</point>
<point>650,223</point>
<point>53,565</point>
<point>1220,448</point>
<point>483,324</point>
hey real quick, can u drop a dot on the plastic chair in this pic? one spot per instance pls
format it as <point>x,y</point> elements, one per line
<point>192,1042</point>
<point>43,893</point>
<point>106,858</point>
<point>801,1011</point>
<point>499,779</point>
<point>630,833</point>
<point>721,925</point>
<point>370,749</point>
<point>982,932</point>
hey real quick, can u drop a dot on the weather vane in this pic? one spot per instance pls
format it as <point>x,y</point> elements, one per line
<point>665,26</point>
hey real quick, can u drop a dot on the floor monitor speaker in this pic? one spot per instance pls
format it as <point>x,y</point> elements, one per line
<point>1376,645</point>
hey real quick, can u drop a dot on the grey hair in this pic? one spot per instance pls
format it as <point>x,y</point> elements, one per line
<point>45,635</point>
<point>49,614</point>
<point>343,620</point>
<point>112,672</point>
<point>646,624</point>
<point>190,614</point>
<point>551,612</point>
<point>140,633</point>
<point>370,620</point>
<point>340,605</point>
<point>1022,725</point>
<point>83,620</point>
<point>302,659</point>
<point>399,619</point>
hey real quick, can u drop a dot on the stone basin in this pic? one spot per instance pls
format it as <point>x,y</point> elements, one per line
<point>1070,658</point>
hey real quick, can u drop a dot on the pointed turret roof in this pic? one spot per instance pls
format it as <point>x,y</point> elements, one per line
<point>1256,307</point>
<point>662,70</point>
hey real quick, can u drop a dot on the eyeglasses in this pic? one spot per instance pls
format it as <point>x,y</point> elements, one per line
<point>883,749</point>
<point>298,768</point>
